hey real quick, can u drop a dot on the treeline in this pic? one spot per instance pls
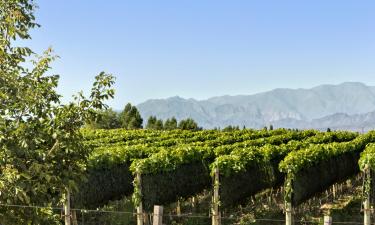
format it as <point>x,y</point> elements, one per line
<point>131,119</point>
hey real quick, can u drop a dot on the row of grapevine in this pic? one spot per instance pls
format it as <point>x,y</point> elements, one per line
<point>246,172</point>
<point>169,175</point>
<point>326,163</point>
<point>109,177</point>
<point>175,164</point>
<point>120,137</point>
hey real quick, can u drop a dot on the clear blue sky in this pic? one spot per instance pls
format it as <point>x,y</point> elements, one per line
<point>204,48</point>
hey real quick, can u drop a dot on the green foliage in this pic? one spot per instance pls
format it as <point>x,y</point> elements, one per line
<point>158,151</point>
<point>170,124</point>
<point>130,118</point>
<point>248,169</point>
<point>175,163</point>
<point>154,124</point>
<point>332,162</point>
<point>169,186</point>
<point>170,170</point>
<point>317,178</point>
<point>107,119</point>
<point>41,147</point>
<point>188,124</point>
<point>367,160</point>
<point>151,123</point>
<point>258,150</point>
<point>159,125</point>
<point>166,160</point>
<point>299,160</point>
<point>231,128</point>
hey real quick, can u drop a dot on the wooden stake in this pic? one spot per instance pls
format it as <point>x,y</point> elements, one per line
<point>193,202</point>
<point>216,217</point>
<point>327,220</point>
<point>289,214</point>
<point>140,206</point>
<point>366,211</point>
<point>366,203</point>
<point>158,215</point>
<point>67,207</point>
<point>74,217</point>
<point>178,208</point>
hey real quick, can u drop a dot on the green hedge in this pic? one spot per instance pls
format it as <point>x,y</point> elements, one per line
<point>167,187</point>
<point>103,185</point>
<point>168,175</point>
<point>108,175</point>
<point>313,170</point>
<point>367,159</point>
<point>108,172</point>
<point>247,171</point>
<point>367,166</point>
<point>236,188</point>
<point>175,164</point>
<point>316,179</point>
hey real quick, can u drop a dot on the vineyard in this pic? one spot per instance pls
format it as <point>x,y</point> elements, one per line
<point>78,161</point>
<point>164,167</point>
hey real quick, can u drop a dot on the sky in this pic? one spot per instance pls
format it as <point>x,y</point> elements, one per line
<point>204,48</point>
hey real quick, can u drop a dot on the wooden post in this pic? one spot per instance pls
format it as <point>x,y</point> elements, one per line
<point>289,213</point>
<point>216,217</point>
<point>74,217</point>
<point>366,202</point>
<point>334,191</point>
<point>367,212</point>
<point>327,220</point>
<point>158,215</point>
<point>178,208</point>
<point>193,202</point>
<point>67,207</point>
<point>140,206</point>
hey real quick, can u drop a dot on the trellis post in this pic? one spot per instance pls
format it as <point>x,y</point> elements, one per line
<point>178,208</point>
<point>366,202</point>
<point>67,213</point>
<point>140,206</point>
<point>74,217</point>
<point>216,217</point>
<point>289,220</point>
<point>158,215</point>
<point>367,213</point>
<point>288,192</point>
<point>327,220</point>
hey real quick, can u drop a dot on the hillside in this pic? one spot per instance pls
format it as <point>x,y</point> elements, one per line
<point>344,106</point>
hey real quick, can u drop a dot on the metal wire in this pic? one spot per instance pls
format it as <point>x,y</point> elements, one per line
<point>167,215</point>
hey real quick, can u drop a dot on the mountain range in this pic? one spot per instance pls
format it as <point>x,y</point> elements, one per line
<point>347,106</point>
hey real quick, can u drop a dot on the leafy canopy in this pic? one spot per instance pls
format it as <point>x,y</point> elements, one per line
<point>41,152</point>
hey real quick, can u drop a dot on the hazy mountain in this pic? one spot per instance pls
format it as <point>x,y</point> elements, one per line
<point>338,121</point>
<point>347,104</point>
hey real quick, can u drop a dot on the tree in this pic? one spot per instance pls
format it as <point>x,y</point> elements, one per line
<point>231,128</point>
<point>188,124</point>
<point>130,118</point>
<point>154,124</point>
<point>159,125</point>
<point>151,122</point>
<point>170,124</point>
<point>41,149</point>
<point>107,119</point>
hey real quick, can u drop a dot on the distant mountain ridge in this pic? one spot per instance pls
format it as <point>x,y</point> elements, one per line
<point>350,105</point>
